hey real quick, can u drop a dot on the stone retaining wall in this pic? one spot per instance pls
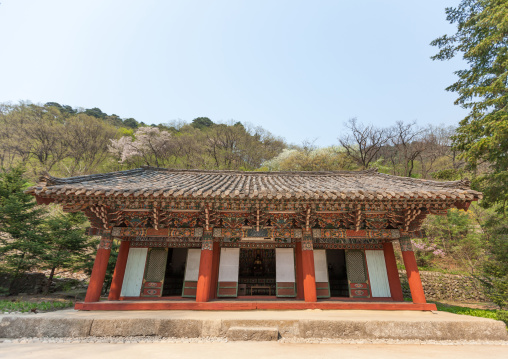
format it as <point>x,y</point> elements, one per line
<point>28,283</point>
<point>33,283</point>
<point>440,286</point>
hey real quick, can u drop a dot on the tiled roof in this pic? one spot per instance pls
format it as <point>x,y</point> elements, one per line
<point>164,183</point>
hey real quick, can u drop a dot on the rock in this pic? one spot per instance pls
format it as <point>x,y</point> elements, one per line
<point>252,333</point>
<point>124,327</point>
<point>16,327</point>
<point>180,328</point>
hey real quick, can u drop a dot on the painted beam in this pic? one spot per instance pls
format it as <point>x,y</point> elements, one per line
<point>346,234</point>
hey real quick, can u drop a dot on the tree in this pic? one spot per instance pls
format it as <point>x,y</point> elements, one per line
<point>87,139</point>
<point>66,245</point>
<point>482,40</point>
<point>407,144</point>
<point>62,108</point>
<point>151,146</point>
<point>96,112</point>
<point>131,123</point>
<point>202,122</point>
<point>22,237</point>
<point>36,135</point>
<point>308,157</point>
<point>482,88</point>
<point>363,143</point>
<point>495,269</point>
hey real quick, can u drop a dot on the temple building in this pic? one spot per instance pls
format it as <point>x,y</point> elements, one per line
<point>196,239</point>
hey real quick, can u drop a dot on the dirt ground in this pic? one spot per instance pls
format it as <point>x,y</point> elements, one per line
<point>247,350</point>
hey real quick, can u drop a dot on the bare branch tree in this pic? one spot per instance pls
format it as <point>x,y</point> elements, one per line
<point>363,143</point>
<point>407,141</point>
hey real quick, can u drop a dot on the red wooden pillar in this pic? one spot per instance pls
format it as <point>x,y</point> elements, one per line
<point>299,271</point>
<point>205,268</point>
<point>119,273</point>
<point>93,293</point>
<point>392,271</point>
<point>215,270</point>
<point>413,276</point>
<point>308,270</point>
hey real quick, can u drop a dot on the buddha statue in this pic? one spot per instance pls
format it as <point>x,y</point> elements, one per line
<point>257,268</point>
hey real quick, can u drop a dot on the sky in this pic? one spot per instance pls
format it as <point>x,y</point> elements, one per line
<point>299,69</point>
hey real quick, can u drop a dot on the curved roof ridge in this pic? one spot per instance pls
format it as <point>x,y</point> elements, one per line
<point>52,181</point>
<point>283,173</point>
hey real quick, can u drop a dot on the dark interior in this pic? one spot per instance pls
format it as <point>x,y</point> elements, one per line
<point>337,274</point>
<point>175,272</point>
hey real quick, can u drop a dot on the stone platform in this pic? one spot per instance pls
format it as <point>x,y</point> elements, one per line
<point>246,303</point>
<point>255,325</point>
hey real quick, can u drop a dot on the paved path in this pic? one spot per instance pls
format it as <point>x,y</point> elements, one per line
<point>247,350</point>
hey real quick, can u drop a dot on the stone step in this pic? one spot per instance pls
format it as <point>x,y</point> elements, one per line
<point>252,333</point>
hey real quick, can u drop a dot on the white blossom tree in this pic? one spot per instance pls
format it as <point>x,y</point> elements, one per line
<point>150,145</point>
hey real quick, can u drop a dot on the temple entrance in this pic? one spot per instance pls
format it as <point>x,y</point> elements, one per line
<point>337,274</point>
<point>175,272</point>
<point>257,272</point>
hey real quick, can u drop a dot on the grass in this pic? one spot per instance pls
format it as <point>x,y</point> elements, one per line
<point>483,313</point>
<point>24,306</point>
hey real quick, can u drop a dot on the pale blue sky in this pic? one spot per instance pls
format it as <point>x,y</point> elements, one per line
<point>298,68</point>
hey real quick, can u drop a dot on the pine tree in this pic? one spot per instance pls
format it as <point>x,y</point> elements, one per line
<point>66,246</point>
<point>482,40</point>
<point>22,238</point>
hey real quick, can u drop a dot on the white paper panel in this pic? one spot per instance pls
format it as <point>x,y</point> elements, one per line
<point>377,272</point>
<point>192,265</point>
<point>320,265</point>
<point>284,265</point>
<point>134,270</point>
<point>228,266</point>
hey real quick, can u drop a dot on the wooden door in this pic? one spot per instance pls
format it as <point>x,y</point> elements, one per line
<point>228,272</point>
<point>190,280</point>
<point>376,265</point>
<point>321,273</point>
<point>134,270</point>
<point>285,272</point>
<point>154,272</point>
<point>357,274</point>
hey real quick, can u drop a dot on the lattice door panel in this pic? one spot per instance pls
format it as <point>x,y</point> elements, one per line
<point>357,274</point>
<point>155,271</point>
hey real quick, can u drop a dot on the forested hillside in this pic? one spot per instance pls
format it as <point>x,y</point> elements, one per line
<point>66,142</point>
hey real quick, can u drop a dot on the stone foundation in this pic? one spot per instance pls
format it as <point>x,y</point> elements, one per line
<point>255,325</point>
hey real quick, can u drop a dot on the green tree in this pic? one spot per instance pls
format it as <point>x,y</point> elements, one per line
<point>96,112</point>
<point>131,123</point>
<point>495,269</point>
<point>455,241</point>
<point>22,237</point>
<point>482,39</point>
<point>202,122</point>
<point>66,245</point>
